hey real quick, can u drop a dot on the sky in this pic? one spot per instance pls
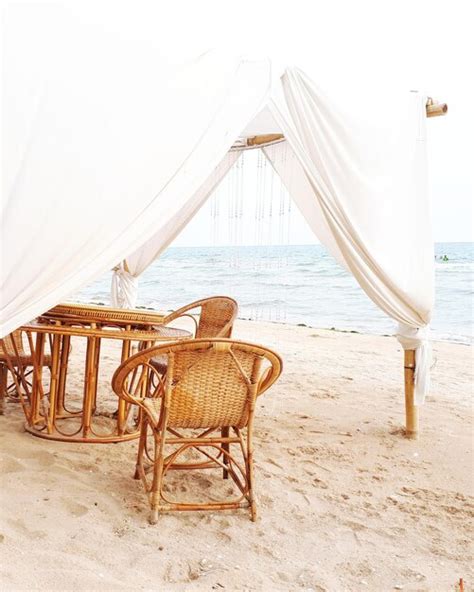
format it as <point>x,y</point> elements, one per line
<point>349,46</point>
<point>413,45</point>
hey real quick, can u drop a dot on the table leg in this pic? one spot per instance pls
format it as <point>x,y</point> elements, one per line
<point>63,367</point>
<point>53,385</point>
<point>122,405</point>
<point>96,375</point>
<point>90,385</point>
<point>37,392</point>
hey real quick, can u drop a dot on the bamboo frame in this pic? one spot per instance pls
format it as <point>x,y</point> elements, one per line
<point>213,373</point>
<point>433,109</point>
<point>140,323</point>
<point>411,410</point>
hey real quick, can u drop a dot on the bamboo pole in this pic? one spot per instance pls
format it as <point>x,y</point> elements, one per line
<point>411,410</point>
<point>435,109</point>
<point>264,139</point>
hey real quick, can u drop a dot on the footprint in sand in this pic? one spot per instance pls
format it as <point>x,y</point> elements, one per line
<point>74,508</point>
<point>44,458</point>
<point>224,537</point>
<point>21,528</point>
<point>10,465</point>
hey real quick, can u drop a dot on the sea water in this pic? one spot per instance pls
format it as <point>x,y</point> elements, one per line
<point>298,285</point>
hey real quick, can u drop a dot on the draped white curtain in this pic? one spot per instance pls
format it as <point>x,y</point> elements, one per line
<point>125,277</point>
<point>360,182</point>
<point>104,144</point>
<point>109,152</point>
<point>364,193</point>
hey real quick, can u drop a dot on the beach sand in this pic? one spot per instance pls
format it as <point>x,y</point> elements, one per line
<point>345,502</point>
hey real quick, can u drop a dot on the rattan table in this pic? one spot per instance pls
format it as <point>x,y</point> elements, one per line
<point>45,399</point>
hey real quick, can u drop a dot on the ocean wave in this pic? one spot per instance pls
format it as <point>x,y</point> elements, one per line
<point>298,285</point>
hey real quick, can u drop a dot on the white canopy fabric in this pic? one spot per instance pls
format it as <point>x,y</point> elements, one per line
<point>114,159</point>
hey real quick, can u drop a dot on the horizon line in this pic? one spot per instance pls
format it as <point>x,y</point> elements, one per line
<point>468,242</point>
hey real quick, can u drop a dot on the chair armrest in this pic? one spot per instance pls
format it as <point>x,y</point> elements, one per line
<point>135,382</point>
<point>269,376</point>
<point>180,314</point>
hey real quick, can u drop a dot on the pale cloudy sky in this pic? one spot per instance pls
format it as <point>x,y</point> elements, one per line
<point>350,45</point>
<point>413,45</point>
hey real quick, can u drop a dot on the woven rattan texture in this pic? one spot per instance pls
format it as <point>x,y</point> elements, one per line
<point>20,356</point>
<point>216,319</point>
<point>208,389</point>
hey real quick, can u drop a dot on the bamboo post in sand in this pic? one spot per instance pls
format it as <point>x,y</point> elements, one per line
<point>411,410</point>
<point>433,109</point>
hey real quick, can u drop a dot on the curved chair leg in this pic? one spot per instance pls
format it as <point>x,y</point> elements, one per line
<point>155,493</point>
<point>253,511</point>
<point>3,386</point>
<point>153,518</point>
<point>251,497</point>
<point>226,447</point>
<point>139,468</point>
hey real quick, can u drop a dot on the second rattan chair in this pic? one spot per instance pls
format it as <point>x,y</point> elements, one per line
<point>216,319</point>
<point>17,361</point>
<point>211,386</point>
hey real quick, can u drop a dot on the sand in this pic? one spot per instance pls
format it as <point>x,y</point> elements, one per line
<point>345,502</point>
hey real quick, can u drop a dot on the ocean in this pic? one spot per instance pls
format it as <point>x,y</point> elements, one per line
<point>297,285</point>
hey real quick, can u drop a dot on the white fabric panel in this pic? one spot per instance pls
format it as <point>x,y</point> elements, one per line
<point>288,167</point>
<point>124,290</point>
<point>110,151</point>
<point>368,174</point>
<point>168,229</point>
<point>112,148</point>
<point>419,340</point>
<point>264,123</point>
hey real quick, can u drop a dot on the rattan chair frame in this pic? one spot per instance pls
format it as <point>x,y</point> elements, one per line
<point>223,311</point>
<point>16,361</point>
<point>214,307</point>
<point>164,414</point>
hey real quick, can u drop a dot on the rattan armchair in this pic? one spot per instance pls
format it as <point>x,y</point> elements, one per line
<point>210,389</point>
<point>14,359</point>
<point>216,319</point>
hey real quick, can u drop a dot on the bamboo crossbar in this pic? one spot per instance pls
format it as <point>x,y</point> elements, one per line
<point>204,441</point>
<point>264,139</point>
<point>433,109</point>
<point>213,507</point>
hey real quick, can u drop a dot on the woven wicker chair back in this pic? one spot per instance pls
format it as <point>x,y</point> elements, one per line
<point>209,389</point>
<point>216,319</point>
<point>210,383</point>
<point>11,341</point>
